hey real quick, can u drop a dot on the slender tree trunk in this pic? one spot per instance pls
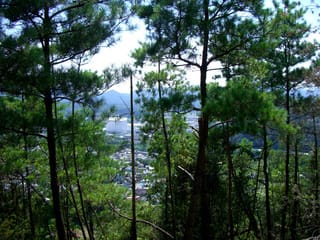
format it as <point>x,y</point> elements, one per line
<point>248,210</point>
<point>30,210</point>
<point>315,161</point>
<point>66,212</point>
<point>51,140</point>
<point>168,161</point>
<point>170,184</point>
<point>287,160</point>
<point>133,235</point>
<point>28,184</point>
<point>73,198</point>
<point>76,171</point>
<point>69,185</point>
<point>295,206</point>
<point>203,133</point>
<point>266,180</point>
<point>257,229</point>
<point>169,190</point>
<point>230,172</point>
<point>23,209</point>
<point>89,213</point>
<point>315,170</point>
<point>166,204</point>
<point>286,191</point>
<point>53,167</point>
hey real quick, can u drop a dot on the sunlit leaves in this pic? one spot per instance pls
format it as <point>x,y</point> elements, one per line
<point>242,104</point>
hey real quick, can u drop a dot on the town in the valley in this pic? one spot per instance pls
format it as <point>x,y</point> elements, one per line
<point>120,129</point>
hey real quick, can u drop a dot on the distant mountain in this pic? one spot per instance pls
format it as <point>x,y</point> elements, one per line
<point>121,101</point>
<point>113,97</point>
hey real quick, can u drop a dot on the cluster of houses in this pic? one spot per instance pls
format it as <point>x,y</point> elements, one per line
<point>143,171</point>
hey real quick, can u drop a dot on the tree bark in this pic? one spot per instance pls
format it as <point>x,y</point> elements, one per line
<point>168,161</point>
<point>85,212</point>
<point>315,161</point>
<point>51,140</point>
<point>295,206</point>
<point>198,195</point>
<point>200,188</point>
<point>30,210</point>
<point>68,181</point>
<point>315,170</point>
<point>266,180</point>
<point>133,235</point>
<point>230,172</point>
<point>76,171</point>
<point>28,184</point>
<point>53,167</point>
<point>287,160</point>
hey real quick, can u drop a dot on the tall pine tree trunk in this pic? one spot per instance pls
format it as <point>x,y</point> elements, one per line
<point>199,193</point>
<point>315,161</point>
<point>53,166</point>
<point>230,172</point>
<point>295,206</point>
<point>287,160</point>
<point>133,235</point>
<point>28,183</point>
<point>76,171</point>
<point>199,198</point>
<point>69,186</point>
<point>266,180</point>
<point>30,210</point>
<point>51,140</point>
<point>79,188</point>
<point>315,170</point>
<point>168,161</point>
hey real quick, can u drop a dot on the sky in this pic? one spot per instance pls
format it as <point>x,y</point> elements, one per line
<point>119,53</point>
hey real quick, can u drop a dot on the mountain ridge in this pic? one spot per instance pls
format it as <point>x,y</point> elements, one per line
<point>121,101</point>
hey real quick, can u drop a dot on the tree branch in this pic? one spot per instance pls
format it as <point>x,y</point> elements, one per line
<point>23,132</point>
<point>141,221</point>
<point>187,172</point>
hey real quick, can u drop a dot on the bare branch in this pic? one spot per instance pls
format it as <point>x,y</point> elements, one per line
<point>187,172</point>
<point>141,221</point>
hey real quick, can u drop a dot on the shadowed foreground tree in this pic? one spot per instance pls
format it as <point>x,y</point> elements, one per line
<point>41,32</point>
<point>236,114</point>
<point>291,49</point>
<point>165,99</point>
<point>195,34</point>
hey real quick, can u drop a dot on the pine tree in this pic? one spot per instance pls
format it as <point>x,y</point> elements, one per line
<point>196,34</point>
<point>38,40</point>
<point>291,51</point>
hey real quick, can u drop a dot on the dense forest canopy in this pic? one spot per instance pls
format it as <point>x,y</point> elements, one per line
<point>204,161</point>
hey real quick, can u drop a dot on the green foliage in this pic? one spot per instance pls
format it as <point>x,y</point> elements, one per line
<point>181,37</point>
<point>38,36</point>
<point>263,53</point>
<point>243,105</point>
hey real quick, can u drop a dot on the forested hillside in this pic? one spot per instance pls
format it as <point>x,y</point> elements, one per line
<point>235,156</point>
